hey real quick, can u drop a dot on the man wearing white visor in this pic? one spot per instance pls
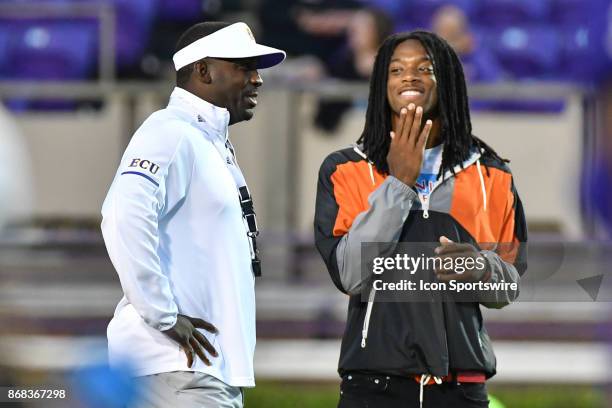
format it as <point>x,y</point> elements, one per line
<point>179,226</point>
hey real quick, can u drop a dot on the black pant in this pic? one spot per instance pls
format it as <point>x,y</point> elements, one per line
<point>381,391</point>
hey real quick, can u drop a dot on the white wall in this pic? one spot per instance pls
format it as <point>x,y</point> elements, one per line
<point>75,156</point>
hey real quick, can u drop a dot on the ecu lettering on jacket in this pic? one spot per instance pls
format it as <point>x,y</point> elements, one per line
<point>174,230</point>
<point>478,204</point>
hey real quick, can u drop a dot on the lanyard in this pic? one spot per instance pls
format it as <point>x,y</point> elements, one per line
<point>246,203</point>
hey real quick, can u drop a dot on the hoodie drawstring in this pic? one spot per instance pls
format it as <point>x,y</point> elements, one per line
<point>372,174</point>
<point>482,184</point>
<point>366,319</point>
<point>423,381</point>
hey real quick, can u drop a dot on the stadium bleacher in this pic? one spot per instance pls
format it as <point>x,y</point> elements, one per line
<point>134,21</point>
<point>533,39</point>
<point>526,51</point>
<point>46,49</point>
<point>180,10</point>
<point>415,14</point>
<point>509,12</point>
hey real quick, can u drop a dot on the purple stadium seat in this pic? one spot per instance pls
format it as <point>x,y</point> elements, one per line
<point>49,49</point>
<point>578,12</point>
<point>180,10</point>
<point>583,56</point>
<point>584,26</point>
<point>5,30</point>
<point>36,1</point>
<point>391,7</point>
<point>134,20</point>
<point>527,51</point>
<point>45,49</point>
<point>494,12</point>
<point>417,13</point>
<point>133,27</point>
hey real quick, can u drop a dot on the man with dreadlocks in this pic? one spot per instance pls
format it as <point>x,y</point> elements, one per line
<point>419,175</point>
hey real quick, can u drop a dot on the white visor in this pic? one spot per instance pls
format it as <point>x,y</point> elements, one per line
<point>233,41</point>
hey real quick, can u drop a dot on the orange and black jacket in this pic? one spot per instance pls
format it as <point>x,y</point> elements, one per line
<point>477,204</point>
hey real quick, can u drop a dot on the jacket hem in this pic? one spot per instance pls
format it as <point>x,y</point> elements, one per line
<point>247,382</point>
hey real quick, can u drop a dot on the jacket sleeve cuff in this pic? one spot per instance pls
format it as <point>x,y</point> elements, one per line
<point>166,323</point>
<point>399,185</point>
<point>487,255</point>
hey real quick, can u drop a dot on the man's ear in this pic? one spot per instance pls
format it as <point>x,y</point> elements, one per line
<point>201,70</point>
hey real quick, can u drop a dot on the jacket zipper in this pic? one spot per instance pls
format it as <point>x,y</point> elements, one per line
<point>425,198</point>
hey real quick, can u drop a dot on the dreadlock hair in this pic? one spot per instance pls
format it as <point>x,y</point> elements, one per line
<point>192,34</point>
<point>453,109</point>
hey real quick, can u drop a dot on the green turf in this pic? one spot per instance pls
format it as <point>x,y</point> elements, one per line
<point>280,395</point>
<point>569,396</point>
<point>294,395</point>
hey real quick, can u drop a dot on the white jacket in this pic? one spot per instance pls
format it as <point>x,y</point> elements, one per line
<point>173,228</point>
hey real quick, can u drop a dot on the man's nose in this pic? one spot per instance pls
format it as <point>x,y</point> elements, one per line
<point>410,76</point>
<point>256,79</point>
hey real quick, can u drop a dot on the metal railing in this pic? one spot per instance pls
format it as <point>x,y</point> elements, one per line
<point>327,88</point>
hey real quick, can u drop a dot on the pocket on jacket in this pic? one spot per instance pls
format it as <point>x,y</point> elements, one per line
<point>369,384</point>
<point>165,384</point>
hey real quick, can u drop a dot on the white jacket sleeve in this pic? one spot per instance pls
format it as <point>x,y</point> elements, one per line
<point>153,175</point>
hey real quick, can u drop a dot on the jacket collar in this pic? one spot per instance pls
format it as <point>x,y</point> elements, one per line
<point>475,155</point>
<point>206,116</point>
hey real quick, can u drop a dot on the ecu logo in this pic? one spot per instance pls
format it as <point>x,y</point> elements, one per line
<point>145,164</point>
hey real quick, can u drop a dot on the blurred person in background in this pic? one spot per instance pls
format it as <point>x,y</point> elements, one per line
<point>365,32</point>
<point>15,201</point>
<point>179,226</point>
<point>306,27</point>
<point>596,185</point>
<point>354,60</point>
<point>15,173</point>
<point>419,175</point>
<point>311,32</point>
<point>596,191</point>
<point>479,64</point>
